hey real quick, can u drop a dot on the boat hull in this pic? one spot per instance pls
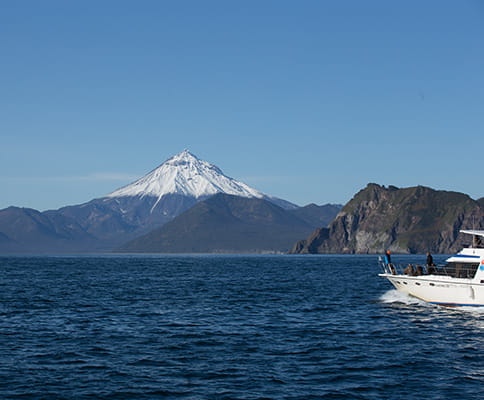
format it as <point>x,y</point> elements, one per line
<point>441,290</point>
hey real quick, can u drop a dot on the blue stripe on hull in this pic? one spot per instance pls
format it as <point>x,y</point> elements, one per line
<point>456,304</point>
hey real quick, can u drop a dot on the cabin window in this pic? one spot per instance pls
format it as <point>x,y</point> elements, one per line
<point>460,270</point>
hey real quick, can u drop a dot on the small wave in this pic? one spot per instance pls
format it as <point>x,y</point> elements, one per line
<point>395,296</point>
<point>477,311</point>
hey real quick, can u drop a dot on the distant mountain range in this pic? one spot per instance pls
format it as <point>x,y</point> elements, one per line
<point>165,193</point>
<point>187,205</point>
<point>232,224</point>
<point>409,220</point>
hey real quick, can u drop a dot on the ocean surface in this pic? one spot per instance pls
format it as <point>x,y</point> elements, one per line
<point>228,327</point>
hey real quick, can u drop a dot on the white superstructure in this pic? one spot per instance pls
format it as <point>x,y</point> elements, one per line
<point>458,283</point>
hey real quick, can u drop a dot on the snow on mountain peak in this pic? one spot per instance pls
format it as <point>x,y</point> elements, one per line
<point>187,175</point>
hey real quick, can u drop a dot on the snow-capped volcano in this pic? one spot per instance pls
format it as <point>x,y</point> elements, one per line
<point>187,175</point>
<point>155,199</point>
<point>183,186</point>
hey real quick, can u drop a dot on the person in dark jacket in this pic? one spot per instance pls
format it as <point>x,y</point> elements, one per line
<point>430,264</point>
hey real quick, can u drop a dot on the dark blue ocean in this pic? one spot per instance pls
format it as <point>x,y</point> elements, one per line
<point>227,327</point>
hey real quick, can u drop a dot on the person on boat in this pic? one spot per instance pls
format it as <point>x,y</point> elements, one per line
<point>476,242</point>
<point>409,270</point>
<point>388,258</point>
<point>431,270</point>
<point>388,262</point>
<point>419,270</point>
<point>430,260</point>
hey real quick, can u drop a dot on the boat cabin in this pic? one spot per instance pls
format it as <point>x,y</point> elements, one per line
<point>458,270</point>
<point>466,263</point>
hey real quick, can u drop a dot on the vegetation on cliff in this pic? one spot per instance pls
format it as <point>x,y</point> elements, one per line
<point>408,220</point>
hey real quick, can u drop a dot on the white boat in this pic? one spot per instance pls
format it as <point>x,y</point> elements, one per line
<point>458,283</point>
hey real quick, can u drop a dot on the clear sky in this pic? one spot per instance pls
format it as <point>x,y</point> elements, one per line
<point>304,100</point>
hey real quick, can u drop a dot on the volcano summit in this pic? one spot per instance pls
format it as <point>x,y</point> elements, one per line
<point>186,175</point>
<point>105,223</point>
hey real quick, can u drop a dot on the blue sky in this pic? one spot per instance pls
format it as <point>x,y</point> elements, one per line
<point>308,101</point>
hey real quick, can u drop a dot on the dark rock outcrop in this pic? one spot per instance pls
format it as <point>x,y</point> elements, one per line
<point>408,220</point>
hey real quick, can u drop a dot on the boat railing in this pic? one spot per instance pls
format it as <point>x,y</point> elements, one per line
<point>419,269</point>
<point>395,268</point>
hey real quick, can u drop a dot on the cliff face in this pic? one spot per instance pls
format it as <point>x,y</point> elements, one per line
<point>408,220</point>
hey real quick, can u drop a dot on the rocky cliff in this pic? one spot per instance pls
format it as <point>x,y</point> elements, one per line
<point>409,220</point>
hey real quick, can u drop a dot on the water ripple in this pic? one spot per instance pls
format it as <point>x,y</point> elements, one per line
<point>227,328</point>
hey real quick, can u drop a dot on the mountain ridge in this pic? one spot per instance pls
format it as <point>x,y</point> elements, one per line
<point>224,224</point>
<point>406,220</point>
<point>135,209</point>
